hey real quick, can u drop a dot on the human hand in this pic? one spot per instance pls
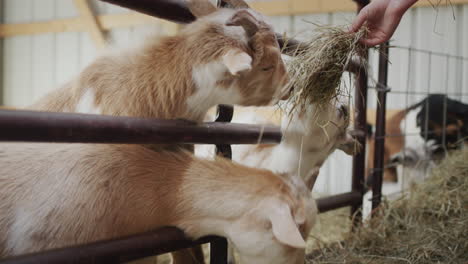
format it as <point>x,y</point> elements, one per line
<point>382,18</point>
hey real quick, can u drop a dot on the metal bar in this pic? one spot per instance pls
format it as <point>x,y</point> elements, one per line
<point>219,248</point>
<point>219,251</point>
<point>121,250</point>
<point>377,173</point>
<point>224,114</point>
<point>340,200</point>
<point>172,10</point>
<point>157,242</point>
<point>359,160</point>
<point>33,126</point>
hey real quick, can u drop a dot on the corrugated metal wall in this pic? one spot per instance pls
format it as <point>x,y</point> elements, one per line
<point>33,65</point>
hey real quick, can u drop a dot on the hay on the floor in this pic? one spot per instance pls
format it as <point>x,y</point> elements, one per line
<point>429,225</point>
<point>317,68</point>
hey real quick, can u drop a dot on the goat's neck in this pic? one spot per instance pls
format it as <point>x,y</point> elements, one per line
<point>216,193</point>
<point>297,149</point>
<point>158,81</point>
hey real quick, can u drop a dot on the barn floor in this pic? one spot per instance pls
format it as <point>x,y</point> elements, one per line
<point>428,225</point>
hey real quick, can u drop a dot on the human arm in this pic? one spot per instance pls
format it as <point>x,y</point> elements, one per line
<point>382,17</point>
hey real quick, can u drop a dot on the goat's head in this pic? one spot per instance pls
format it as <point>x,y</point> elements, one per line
<point>326,128</point>
<point>237,50</point>
<point>276,228</point>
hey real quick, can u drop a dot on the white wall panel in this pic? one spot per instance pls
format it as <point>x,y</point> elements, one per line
<point>463,51</point>
<point>68,48</point>
<point>304,25</point>
<point>43,51</point>
<point>17,55</point>
<point>282,24</point>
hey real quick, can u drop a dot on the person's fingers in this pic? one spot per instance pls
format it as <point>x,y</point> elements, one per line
<point>358,21</point>
<point>374,41</point>
<point>370,42</point>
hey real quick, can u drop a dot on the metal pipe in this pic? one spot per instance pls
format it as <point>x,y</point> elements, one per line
<point>360,102</point>
<point>30,126</point>
<point>219,248</point>
<point>172,10</point>
<point>359,160</point>
<point>153,243</point>
<point>377,172</point>
<point>121,250</point>
<point>337,201</point>
<point>219,251</point>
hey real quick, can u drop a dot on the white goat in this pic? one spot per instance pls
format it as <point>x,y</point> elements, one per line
<point>308,139</point>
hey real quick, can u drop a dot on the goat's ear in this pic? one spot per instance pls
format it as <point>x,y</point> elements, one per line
<point>284,227</point>
<point>237,61</point>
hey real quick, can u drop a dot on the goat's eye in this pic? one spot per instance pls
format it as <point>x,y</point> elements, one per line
<point>268,68</point>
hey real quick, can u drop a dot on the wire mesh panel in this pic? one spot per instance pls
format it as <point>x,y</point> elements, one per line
<point>427,107</point>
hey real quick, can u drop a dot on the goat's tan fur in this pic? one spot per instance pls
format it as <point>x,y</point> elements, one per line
<point>160,79</point>
<point>56,195</point>
<point>210,62</point>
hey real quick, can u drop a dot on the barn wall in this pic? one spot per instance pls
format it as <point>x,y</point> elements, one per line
<point>33,65</point>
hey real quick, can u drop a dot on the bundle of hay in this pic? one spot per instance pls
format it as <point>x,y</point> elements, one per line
<point>430,225</point>
<point>317,68</point>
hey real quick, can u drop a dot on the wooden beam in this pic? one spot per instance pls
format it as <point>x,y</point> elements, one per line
<point>91,23</point>
<point>54,26</point>
<point>297,7</point>
<point>108,22</point>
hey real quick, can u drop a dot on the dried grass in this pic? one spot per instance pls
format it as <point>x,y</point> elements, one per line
<point>317,69</point>
<point>430,225</point>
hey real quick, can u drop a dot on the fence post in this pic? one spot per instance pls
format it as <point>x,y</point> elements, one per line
<point>359,161</point>
<point>382,90</point>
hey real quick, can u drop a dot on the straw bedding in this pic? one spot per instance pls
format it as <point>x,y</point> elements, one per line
<point>428,225</point>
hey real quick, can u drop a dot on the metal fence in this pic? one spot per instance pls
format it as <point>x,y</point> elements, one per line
<point>29,126</point>
<point>428,73</point>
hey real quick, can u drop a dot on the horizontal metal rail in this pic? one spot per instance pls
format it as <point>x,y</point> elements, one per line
<point>34,126</point>
<point>121,250</point>
<point>157,242</point>
<point>31,126</point>
<point>338,201</point>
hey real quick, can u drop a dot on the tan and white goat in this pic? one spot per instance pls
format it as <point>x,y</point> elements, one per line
<point>308,139</point>
<point>227,56</point>
<point>57,195</point>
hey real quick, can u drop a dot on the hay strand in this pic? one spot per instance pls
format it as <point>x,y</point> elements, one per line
<point>317,68</point>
